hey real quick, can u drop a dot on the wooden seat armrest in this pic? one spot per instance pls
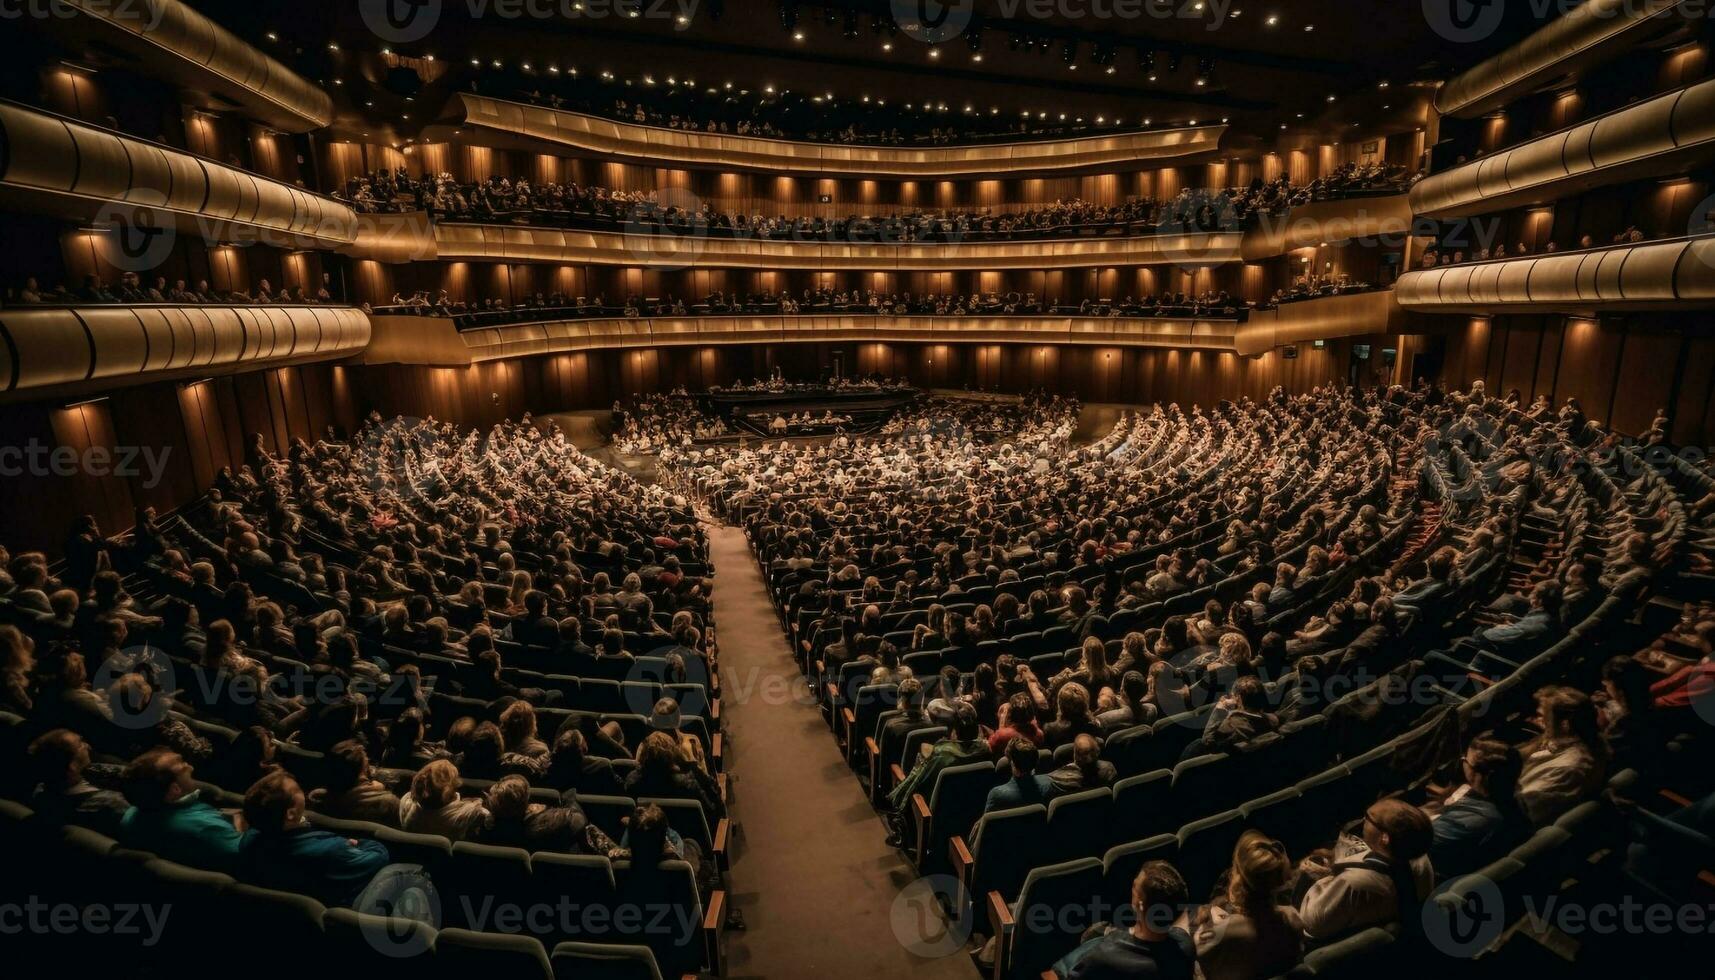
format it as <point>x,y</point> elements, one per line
<point>1674,798</point>
<point>714,925</point>
<point>1000,927</point>
<point>848,721</point>
<point>924,818</point>
<point>898,774</point>
<point>832,691</point>
<point>723,833</point>
<point>1482,680</point>
<point>720,781</point>
<point>715,748</point>
<point>960,856</point>
<point>715,710</point>
<point>872,752</point>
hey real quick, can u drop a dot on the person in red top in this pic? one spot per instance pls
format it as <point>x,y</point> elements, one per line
<point>1017,720</point>
<point>1687,686</point>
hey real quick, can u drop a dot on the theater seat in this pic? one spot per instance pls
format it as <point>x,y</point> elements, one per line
<point>1080,825</point>
<point>1055,905</point>
<point>1143,806</point>
<point>1121,865</point>
<point>479,879</point>
<point>1003,849</point>
<point>375,941</point>
<point>594,961</point>
<point>460,953</point>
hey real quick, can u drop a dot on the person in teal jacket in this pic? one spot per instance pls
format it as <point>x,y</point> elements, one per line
<point>281,851</point>
<point>169,819</point>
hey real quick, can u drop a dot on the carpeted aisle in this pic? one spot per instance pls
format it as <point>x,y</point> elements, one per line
<point>816,884</point>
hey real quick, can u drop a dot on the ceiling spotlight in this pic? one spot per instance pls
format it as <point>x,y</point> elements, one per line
<point>934,52</point>
<point>273,36</point>
<point>797,35</point>
<point>1272,20</point>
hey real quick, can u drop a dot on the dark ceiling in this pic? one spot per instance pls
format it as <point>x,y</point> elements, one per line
<point>1287,71</point>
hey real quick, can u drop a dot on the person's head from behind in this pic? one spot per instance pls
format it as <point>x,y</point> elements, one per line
<point>157,778</point>
<point>1158,893</point>
<point>346,765</point>
<point>1492,768</point>
<point>1259,873</point>
<point>1250,694</point>
<point>436,785</point>
<point>658,755</point>
<point>1072,703</point>
<point>1568,713</point>
<point>509,798</point>
<point>911,695</point>
<point>965,726</point>
<point>517,724</point>
<point>646,834</point>
<point>274,804</point>
<point>1397,831</point>
<point>1021,711</point>
<point>1022,754</point>
<point>1086,751</point>
<point>59,758</point>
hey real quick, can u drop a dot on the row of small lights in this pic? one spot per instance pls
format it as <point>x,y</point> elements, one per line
<point>1273,20</point>
<point>769,89</point>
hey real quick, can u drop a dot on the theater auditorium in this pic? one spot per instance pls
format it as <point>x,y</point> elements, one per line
<point>835,489</point>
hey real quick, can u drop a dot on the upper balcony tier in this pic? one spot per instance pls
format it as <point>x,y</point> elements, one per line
<point>50,164</point>
<point>1662,275</point>
<point>436,340</point>
<point>507,123</point>
<point>166,39</point>
<point>1663,135</point>
<point>1590,34</point>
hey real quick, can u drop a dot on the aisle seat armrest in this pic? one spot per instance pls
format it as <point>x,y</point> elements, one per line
<point>1000,927</point>
<point>960,855</point>
<point>714,926</point>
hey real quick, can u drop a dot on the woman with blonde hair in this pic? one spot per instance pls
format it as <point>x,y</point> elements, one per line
<point>1072,717</point>
<point>1568,762</point>
<point>1092,671</point>
<point>433,805</point>
<point>1246,933</point>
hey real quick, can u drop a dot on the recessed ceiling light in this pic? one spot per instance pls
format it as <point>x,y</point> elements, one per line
<point>978,56</point>
<point>934,52</point>
<point>272,36</point>
<point>332,46</point>
<point>1309,27</point>
<point>797,35</point>
<point>887,45</point>
<point>1273,19</point>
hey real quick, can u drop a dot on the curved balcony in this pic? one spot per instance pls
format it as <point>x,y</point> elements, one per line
<point>1587,35</point>
<point>1386,217</point>
<point>436,340</point>
<point>75,350</point>
<point>1664,275</point>
<point>54,165</point>
<point>1326,318</point>
<point>516,243</point>
<point>169,40</point>
<point>668,147</point>
<point>1660,136</point>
